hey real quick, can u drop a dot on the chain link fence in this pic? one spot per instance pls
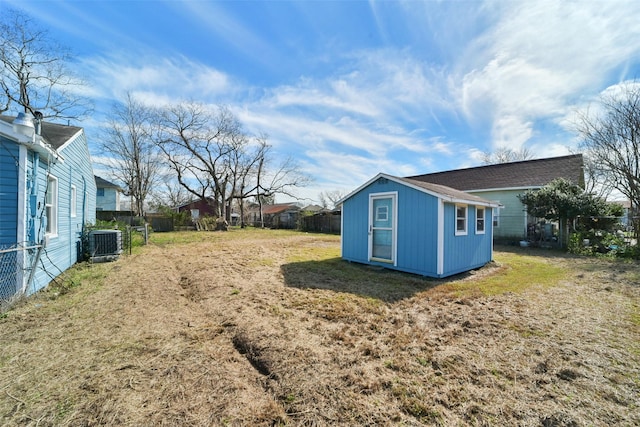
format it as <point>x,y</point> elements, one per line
<point>15,271</point>
<point>10,271</point>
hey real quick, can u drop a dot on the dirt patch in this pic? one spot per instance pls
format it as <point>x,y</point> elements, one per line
<point>252,328</point>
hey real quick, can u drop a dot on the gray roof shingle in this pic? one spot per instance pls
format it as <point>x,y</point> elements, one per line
<point>522,174</point>
<point>103,183</point>
<point>54,133</point>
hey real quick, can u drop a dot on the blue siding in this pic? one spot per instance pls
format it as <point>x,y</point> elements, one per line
<point>61,251</point>
<point>355,228</point>
<point>9,174</point>
<point>108,202</point>
<point>417,232</point>
<point>463,253</point>
<point>417,229</point>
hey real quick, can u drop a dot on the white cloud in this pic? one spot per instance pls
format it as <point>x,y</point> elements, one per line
<point>174,77</point>
<point>538,56</point>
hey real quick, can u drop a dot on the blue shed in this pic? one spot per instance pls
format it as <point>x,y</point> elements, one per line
<point>417,227</point>
<point>47,196</point>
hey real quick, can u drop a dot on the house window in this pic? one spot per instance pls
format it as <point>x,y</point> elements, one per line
<point>479,220</point>
<point>496,217</point>
<point>100,192</point>
<point>461,220</point>
<point>51,206</point>
<point>72,202</point>
<point>382,213</point>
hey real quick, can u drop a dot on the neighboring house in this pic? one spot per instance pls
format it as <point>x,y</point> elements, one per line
<point>417,227</point>
<point>280,215</point>
<point>47,197</point>
<point>503,182</point>
<point>627,214</point>
<point>107,195</point>
<point>200,208</point>
<point>313,209</point>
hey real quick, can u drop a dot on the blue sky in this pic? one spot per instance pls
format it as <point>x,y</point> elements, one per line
<point>353,88</point>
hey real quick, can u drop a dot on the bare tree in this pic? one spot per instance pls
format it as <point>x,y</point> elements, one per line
<point>34,73</point>
<point>329,198</point>
<point>245,163</point>
<point>213,158</point>
<point>506,155</point>
<point>611,136</point>
<point>131,155</point>
<point>596,181</point>
<point>197,144</point>
<point>261,182</point>
<point>171,194</point>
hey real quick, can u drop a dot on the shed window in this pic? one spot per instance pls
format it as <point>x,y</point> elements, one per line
<point>72,202</point>
<point>479,220</point>
<point>461,220</point>
<point>51,205</point>
<point>382,213</point>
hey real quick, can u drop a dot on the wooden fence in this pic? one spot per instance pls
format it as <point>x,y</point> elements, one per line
<point>321,223</point>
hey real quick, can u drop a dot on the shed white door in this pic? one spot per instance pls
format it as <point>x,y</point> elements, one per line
<point>382,227</point>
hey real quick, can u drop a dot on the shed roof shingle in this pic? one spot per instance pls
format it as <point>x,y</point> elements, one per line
<point>522,174</point>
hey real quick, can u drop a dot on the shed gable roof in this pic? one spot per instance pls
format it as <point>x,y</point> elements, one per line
<point>522,174</point>
<point>437,190</point>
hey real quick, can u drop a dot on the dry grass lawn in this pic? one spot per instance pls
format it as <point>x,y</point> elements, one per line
<point>263,327</point>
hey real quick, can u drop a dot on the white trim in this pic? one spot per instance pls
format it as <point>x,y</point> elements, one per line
<point>394,226</point>
<point>440,247</point>
<point>483,190</point>
<point>341,230</point>
<point>55,208</point>
<point>484,220</point>
<point>466,220</point>
<point>70,140</point>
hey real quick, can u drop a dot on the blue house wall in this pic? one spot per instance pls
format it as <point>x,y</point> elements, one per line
<point>426,241</point>
<point>9,162</point>
<point>62,249</point>
<point>25,169</point>
<point>463,253</point>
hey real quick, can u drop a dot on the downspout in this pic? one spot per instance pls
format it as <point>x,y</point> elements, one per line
<point>71,208</point>
<point>33,199</point>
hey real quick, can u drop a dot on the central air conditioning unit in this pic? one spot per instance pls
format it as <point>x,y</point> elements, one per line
<point>105,245</point>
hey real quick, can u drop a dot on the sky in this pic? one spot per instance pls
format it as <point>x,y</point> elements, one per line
<point>353,88</point>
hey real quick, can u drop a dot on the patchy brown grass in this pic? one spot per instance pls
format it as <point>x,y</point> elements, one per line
<point>259,327</point>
